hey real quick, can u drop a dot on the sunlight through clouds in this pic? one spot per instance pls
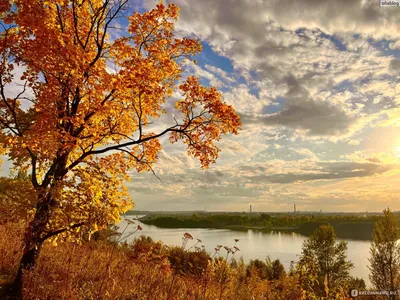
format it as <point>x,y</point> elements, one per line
<point>323,86</point>
<point>316,84</point>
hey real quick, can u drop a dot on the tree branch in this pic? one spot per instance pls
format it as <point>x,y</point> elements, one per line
<point>33,176</point>
<point>142,162</point>
<point>53,233</point>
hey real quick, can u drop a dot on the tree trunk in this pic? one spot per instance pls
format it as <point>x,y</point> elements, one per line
<point>27,262</point>
<point>32,242</point>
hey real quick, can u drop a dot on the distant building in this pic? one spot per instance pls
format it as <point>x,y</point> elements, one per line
<point>294,207</point>
<point>250,209</point>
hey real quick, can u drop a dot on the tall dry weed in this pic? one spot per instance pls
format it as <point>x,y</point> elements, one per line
<point>100,269</point>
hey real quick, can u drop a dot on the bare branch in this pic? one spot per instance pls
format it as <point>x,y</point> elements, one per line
<point>75,16</point>
<point>142,162</point>
<point>10,108</point>
<point>100,40</point>
<point>60,18</point>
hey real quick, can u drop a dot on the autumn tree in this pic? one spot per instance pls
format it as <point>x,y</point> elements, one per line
<point>385,254</point>
<point>307,271</point>
<point>87,108</point>
<point>17,197</point>
<point>321,250</point>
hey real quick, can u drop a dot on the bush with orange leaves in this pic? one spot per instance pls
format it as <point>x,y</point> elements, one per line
<point>100,269</point>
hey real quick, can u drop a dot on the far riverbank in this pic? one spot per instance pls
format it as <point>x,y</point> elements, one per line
<point>352,227</point>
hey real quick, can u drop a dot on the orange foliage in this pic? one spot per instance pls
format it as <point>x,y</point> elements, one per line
<point>81,121</point>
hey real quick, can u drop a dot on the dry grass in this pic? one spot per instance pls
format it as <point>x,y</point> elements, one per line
<point>101,270</point>
<point>10,250</point>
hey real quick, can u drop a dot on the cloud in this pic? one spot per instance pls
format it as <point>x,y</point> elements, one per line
<point>311,80</point>
<point>317,118</point>
<point>300,51</point>
<point>362,16</point>
<point>353,142</point>
<point>248,179</point>
<point>245,102</point>
<point>395,65</point>
<point>317,171</point>
<point>221,74</point>
<point>196,70</point>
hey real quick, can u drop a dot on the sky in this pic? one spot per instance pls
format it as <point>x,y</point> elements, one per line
<point>316,84</point>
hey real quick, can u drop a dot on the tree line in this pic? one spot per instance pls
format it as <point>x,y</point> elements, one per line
<point>346,226</point>
<point>324,270</point>
<point>326,267</point>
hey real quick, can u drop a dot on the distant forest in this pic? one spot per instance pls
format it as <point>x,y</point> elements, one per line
<point>347,226</point>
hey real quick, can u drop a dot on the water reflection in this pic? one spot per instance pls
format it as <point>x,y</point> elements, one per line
<point>254,244</point>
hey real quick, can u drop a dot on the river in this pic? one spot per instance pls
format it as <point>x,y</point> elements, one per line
<point>252,244</point>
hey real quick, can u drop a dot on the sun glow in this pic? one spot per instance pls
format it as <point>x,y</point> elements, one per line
<point>397,152</point>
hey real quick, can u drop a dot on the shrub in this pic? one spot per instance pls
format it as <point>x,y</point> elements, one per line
<point>187,262</point>
<point>260,268</point>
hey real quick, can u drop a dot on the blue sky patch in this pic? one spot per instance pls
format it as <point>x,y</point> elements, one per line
<point>274,108</point>
<point>209,57</point>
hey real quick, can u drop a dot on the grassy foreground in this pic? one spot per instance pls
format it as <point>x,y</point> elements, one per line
<point>100,269</point>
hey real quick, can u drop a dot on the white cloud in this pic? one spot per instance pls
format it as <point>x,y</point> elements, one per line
<point>315,73</point>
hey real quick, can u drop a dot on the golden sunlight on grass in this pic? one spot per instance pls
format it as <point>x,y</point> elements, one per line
<point>99,269</point>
